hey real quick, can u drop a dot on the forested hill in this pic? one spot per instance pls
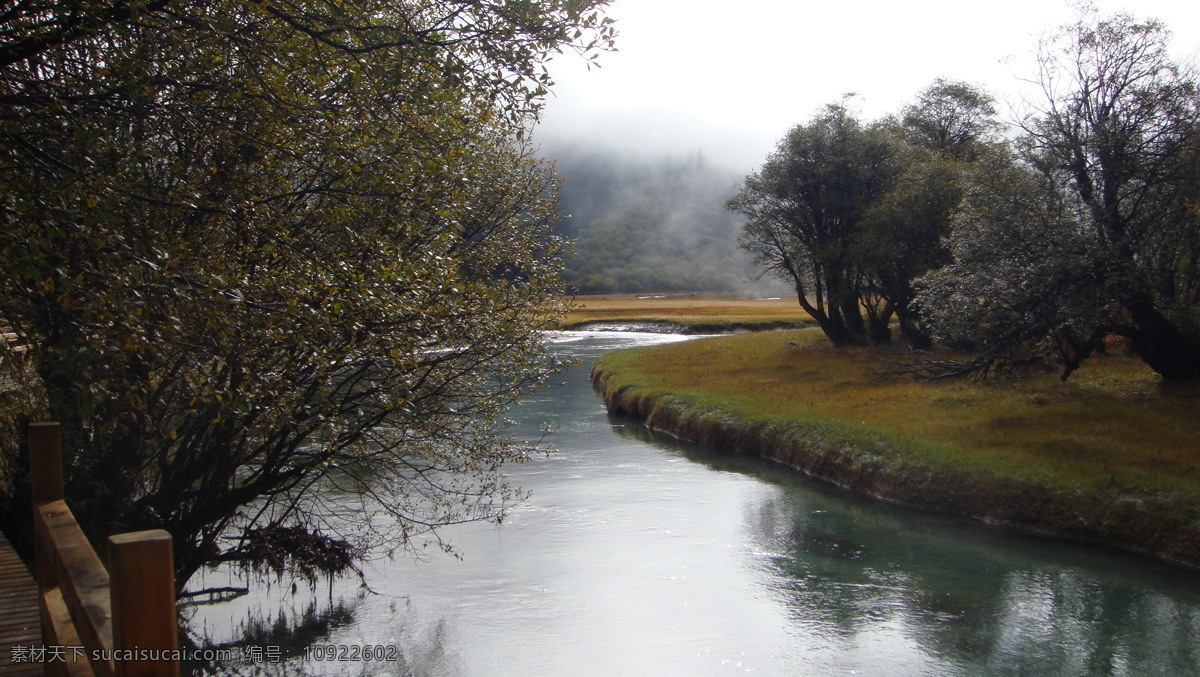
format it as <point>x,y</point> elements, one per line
<point>648,224</point>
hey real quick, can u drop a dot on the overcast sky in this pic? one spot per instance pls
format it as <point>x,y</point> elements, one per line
<point>729,77</point>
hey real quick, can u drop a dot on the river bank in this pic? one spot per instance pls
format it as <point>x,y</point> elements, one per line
<point>1109,458</point>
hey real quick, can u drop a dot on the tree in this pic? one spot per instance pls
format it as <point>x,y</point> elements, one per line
<point>903,238</point>
<point>807,210</point>
<point>1019,287</point>
<point>1113,213</point>
<point>270,251</point>
<point>953,118</point>
<point>851,214</point>
<point>949,129</point>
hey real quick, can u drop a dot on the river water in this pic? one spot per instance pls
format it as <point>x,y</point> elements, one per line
<point>640,555</point>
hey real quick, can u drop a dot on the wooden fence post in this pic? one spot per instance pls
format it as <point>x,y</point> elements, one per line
<point>142,573</point>
<point>128,610</point>
<point>46,485</point>
<point>45,462</point>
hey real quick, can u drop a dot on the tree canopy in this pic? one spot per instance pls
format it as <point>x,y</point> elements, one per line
<point>850,212</point>
<point>264,251</point>
<point>1092,230</point>
<point>807,210</point>
<point>1081,227</point>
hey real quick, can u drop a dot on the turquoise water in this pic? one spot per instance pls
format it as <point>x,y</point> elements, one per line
<point>640,555</point>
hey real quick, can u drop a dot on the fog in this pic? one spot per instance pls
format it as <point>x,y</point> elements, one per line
<point>648,221</point>
<point>654,140</point>
<point>728,79</point>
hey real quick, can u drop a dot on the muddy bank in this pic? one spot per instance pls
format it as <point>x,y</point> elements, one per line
<point>873,465</point>
<point>669,327</point>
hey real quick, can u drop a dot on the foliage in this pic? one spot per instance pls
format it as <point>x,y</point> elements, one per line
<point>851,213</point>
<point>952,118</point>
<point>1093,231</point>
<point>808,210</point>
<point>283,264</point>
<point>1019,255</point>
<point>947,132</point>
<point>904,230</point>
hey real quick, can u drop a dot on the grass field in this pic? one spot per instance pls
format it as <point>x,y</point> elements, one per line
<point>686,310</point>
<point>1114,436</point>
<point>1112,419</point>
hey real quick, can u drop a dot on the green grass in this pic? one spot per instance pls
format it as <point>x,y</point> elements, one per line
<point>1112,427</point>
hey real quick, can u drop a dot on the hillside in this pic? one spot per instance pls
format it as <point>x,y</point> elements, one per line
<point>644,224</point>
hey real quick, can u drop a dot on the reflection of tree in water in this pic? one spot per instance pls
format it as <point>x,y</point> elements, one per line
<point>315,624</point>
<point>1057,617</point>
<point>289,630</point>
<point>966,595</point>
<point>311,619</point>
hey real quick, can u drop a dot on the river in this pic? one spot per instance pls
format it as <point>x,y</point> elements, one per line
<point>640,555</point>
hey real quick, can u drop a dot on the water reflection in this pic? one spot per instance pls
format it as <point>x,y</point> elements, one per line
<point>967,598</point>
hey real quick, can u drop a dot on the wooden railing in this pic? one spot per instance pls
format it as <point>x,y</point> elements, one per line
<point>117,622</point>
<point>11,350</point>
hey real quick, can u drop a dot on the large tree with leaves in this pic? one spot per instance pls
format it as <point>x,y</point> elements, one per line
<point>1105,191</point>
<point>808,210</point>
<point>946,133</point>
<point>265,250</point>
<point>851,212</point>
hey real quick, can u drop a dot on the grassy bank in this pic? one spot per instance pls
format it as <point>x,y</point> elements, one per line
<point>1109,457</point>
<point>687,312</point>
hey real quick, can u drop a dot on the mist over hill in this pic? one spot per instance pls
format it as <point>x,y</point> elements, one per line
<point>648,224</point>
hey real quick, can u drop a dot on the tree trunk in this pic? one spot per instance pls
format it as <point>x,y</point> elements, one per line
<point>831,323</point>
<point>911,330</point>
<point>1167,350</point>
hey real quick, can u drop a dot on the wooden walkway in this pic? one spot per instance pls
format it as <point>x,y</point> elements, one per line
<point>19,624</point>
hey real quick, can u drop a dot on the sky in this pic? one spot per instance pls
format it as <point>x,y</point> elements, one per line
<point>730,77</point>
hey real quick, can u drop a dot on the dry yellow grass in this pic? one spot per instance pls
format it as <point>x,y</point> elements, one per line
<point>1113,421</point>
<point>684,309</point>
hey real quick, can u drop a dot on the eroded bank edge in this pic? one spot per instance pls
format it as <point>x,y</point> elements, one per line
<point>874,465</point>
